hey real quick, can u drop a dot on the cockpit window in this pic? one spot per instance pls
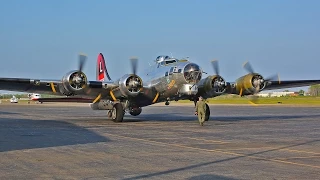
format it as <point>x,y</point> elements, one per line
<point>162,58</point>
<point>171,70</point>
<point>170,61</point>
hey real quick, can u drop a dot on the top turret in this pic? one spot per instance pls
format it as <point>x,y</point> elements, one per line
<point>162,58</point>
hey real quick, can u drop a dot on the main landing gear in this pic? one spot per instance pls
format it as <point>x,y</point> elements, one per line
<point>117,113</point>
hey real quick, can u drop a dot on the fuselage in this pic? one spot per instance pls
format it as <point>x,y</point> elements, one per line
<point>173,78</point>
<point>167,79</point>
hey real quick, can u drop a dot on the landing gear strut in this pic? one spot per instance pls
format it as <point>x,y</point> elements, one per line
<point>167,102</point>
<point>117,112</point>
<point>109,114</point>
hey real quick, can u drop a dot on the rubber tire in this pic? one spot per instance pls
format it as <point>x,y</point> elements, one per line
<point>207,113</point>
<point>133,114</point>
<point>119,112</point>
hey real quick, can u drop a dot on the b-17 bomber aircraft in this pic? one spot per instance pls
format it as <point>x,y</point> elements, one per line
<point>166,80</point>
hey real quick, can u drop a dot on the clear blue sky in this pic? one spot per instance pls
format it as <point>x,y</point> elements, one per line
<point>41,39</point>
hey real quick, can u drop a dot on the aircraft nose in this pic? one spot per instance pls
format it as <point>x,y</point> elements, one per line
<point>192,73</point>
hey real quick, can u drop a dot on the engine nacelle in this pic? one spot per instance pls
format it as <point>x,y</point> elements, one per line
<point>130,85</point>
<point>249,84</point>
<point>212,86</point>
<point>73,83</point>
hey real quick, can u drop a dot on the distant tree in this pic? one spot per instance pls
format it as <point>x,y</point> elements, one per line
<point>286,90</point>
<point>301,92</point>
<point>314,90</point>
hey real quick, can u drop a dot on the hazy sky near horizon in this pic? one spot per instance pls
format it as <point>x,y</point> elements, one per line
<point>42,39</point>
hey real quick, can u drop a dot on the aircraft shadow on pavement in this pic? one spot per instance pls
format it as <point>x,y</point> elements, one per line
<point>264,117</point>
<point>19,134</point>
<point>210,177</point>
<point>183,117</point>
<point>6,113</point>
<point>159,117</point>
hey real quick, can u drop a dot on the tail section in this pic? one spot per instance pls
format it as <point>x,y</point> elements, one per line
<point>102,72</point>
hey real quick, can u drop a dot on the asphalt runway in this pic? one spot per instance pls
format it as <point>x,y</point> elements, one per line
<point>55,141</point>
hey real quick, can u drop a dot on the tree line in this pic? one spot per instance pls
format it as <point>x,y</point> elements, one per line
<point>314,90</point>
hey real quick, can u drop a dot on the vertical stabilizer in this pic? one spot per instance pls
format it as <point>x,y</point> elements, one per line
<point>102,72</point>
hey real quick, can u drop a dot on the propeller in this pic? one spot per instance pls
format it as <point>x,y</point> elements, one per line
<point>219,83</point>
<point>134,65</point>
<point>134,81</point>
<point>78,79</point>
<point>215,66</point>
<point>258,82</point>
<point>247,66</point>
<point>82,60</point>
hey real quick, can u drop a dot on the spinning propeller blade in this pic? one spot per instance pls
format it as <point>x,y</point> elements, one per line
<point>134,64</point>
<point>215,66</point>
<point>247,66</point>
<point>82,60</point>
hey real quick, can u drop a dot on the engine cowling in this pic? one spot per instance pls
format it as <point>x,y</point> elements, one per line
<point>73,82</point>
<point>212,85</point>
<point>250,84</point>
<point>130,85</point>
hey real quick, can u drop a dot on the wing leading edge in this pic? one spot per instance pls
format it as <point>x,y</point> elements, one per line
<point>55,87</point>
<point>290,84</point>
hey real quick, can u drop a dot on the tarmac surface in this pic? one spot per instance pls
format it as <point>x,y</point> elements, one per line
<point>56,141</point>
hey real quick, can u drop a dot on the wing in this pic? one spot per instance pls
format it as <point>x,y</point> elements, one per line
<point>213,86</point>
<point>57,87</point>
<point>127,87</point>
<point>290,84</point>
<point>248,84</point>
<point>29,85</point>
